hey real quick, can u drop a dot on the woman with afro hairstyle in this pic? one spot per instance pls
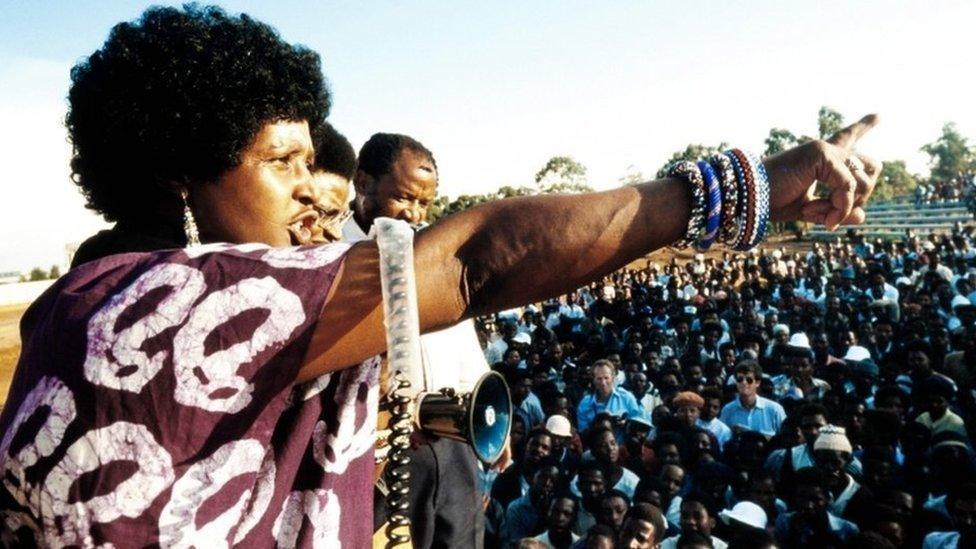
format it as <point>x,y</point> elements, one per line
<point>204,376</point>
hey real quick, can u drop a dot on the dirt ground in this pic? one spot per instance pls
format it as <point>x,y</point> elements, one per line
<point>9,345</point>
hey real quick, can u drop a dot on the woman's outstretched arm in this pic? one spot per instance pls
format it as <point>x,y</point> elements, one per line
<point>521,250</point>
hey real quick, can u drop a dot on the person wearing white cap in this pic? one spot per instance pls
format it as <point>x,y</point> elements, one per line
<point>559,426</point>
<point>523,337</point>
<point>781,334</point>
<point>744,514</point>
<point>832,453</point>
<point>561,454</point>
<point>957,302</point>
<point>797,381</point>
<point>784,462</point>
<point>856,353</point>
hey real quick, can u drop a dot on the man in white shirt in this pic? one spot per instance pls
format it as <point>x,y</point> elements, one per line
<point>559,522</point>
<point>695,518</point>
<point>397,178</point>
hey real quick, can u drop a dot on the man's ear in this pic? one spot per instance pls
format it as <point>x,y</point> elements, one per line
<point>364,183</point>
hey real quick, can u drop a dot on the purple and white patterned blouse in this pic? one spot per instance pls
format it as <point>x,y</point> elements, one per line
<point>155,403</point>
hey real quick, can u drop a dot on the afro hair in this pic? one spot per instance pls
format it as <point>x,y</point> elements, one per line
<point>174,97</point>
<point>333,152</point>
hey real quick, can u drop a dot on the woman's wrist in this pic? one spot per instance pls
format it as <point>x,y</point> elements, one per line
<point>729,201</point>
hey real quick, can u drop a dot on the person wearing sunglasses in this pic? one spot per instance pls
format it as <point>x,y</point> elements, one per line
<point>749,411</point>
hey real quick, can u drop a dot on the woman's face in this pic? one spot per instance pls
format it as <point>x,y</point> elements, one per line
<point>268,197</point>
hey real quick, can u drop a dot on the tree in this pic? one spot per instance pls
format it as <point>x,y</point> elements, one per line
<point>443,206</point>
<point>633,176</point>
<point>829,122</point>
<point>509,191</point>
<point>561,169</point>
<point>779,140</point>
<point>691,152</point>
<point>894,180</point>
<point>54,273</point>
<point>438,207</point>
<point>567,188</point>
<point>37,273</point>
<point>950,154</point>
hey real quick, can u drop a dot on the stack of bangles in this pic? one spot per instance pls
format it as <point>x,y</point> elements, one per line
<point>729,201</point>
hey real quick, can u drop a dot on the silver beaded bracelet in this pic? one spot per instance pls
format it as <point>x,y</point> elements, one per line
<point>689,172</point>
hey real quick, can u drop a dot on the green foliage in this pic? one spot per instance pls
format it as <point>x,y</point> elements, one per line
<point>437,207</point>
<point>561,169</point>
<point>779,140</point>
<point>633,176</point>
<point>54,273</point>
<point>950,154</point>
<point>894,181</point>
<point>691,152</point>
<point>36,274</point>
<point>829,122</point>
<point>566,188</point>
<point>446,206</point>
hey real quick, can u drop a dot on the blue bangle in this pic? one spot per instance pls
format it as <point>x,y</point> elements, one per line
<point>730,197</point>
<point>762,187</point>
<point>714,207</point>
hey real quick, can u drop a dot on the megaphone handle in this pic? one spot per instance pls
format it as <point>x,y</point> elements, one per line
<point>397,474</point>
<point>395,243</point>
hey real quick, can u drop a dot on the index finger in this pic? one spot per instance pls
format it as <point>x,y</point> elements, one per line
<point>847,137</point>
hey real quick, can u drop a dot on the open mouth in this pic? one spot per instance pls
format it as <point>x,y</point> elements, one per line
<point>301,229</point>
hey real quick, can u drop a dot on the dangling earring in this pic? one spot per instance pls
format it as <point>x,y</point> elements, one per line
<point>189,224</point>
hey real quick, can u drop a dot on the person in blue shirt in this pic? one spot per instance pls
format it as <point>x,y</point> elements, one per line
<point>750,411</point>
<point>525,516</point>
<point>524,401</point>
<point>961,503</point>
<point>606,397</point>
<point>810,524</point>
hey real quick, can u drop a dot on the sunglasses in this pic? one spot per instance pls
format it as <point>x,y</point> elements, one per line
<point>745,379</point>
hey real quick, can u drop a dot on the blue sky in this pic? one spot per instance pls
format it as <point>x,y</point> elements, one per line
<point>495,89</point>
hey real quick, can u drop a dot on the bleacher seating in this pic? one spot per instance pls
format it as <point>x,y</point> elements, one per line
<point>889,219</point>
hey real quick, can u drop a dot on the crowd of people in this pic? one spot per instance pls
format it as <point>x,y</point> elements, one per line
<point>960,187</point>
<point>809,399</point>
<point>209,372</point>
